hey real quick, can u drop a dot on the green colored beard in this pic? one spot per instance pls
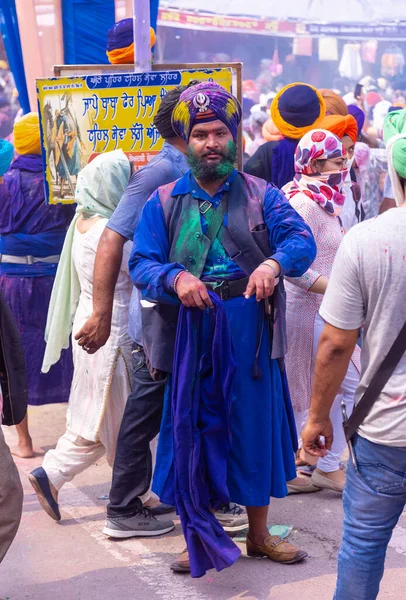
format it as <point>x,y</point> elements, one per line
<point>207,172</point>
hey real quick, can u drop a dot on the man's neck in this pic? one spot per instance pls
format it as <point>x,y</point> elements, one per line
<point>211,187</point>
<point>177,143</point>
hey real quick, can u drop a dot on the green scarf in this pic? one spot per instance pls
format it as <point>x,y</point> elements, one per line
<point>394,132</point>
<point>99,188</point>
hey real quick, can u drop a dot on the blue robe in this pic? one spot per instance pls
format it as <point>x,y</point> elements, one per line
<point>261,458</point>
<point>30,226</point>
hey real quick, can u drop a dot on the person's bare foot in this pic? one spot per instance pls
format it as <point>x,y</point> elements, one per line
<point>23,451</point>
<point>152,503</point>
<point>306,458</point>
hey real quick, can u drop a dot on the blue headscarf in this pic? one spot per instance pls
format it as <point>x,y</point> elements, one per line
<point>283,162</point>
<point>6,156</point>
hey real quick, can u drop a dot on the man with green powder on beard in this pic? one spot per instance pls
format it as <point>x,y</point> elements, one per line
<point>220,231</point>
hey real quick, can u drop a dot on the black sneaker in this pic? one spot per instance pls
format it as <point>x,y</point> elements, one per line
<point>142,524</point>
<point>232,517</point>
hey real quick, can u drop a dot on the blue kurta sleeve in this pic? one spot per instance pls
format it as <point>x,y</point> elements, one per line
<point>150,269</point>
<point>292,242</point>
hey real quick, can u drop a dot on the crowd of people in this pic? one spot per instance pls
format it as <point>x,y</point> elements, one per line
<point>234,313</point>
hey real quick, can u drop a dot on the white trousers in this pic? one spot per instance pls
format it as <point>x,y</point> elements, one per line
<point>331,462</point>
<point>74,454</point>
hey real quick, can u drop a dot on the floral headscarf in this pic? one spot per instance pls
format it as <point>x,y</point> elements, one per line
<point>323,188</point>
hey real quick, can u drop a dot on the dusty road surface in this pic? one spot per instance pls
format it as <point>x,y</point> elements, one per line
<point>73,560</point>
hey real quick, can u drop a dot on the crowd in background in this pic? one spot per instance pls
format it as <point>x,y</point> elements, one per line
<point>9,105</point>
<point>369,102</point>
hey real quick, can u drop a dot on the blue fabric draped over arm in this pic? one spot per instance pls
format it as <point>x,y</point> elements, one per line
<point>202,383</point>
<point>292,242</point>
<point>149,264</point>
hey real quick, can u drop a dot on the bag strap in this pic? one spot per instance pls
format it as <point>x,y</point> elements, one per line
<point>379,380</point>
<point>214,216</point>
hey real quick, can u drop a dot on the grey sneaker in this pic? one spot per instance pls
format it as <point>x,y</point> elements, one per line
<point>142,524</point>
<point>232,517</point>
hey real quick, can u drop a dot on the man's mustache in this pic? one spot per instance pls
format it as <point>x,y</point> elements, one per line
<point>219,153</point>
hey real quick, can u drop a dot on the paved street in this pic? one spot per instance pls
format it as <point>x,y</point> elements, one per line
<point>74,560</point>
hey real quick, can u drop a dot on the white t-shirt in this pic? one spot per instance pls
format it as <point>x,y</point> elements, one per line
<point>368,287</point>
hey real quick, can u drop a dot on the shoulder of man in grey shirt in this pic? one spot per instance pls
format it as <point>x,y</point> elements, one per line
<point>167,166</point>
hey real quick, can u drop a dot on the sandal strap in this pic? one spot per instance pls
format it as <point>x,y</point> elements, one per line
<point>277,542</point>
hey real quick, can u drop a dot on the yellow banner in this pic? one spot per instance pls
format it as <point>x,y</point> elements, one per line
<point>81,117</point>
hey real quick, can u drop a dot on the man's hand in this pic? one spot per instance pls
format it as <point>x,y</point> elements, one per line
<point>192,292</point>
<point>311,441</point>
<point>262,283</point>
<point>94,333</point>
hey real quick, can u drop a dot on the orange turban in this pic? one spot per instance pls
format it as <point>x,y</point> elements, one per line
<point>27,138</point>
<point>335,105</point>
<point>296,109</point>
<point>270,132</point>
<point>340,126</point>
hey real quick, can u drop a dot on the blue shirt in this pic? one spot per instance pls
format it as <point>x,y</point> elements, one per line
<point>291,241</point>
<point>218,264</point>
<point>167,166</point>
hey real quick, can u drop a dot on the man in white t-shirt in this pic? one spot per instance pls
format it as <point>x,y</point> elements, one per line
<point>367,288</point>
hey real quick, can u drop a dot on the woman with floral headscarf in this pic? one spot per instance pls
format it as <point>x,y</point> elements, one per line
<point>316,194</point>
<point>346,128</point>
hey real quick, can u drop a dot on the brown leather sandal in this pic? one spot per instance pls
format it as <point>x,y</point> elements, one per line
<point>181,564</point>
<point>276,549</point>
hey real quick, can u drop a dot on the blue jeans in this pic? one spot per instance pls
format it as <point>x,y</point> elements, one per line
<point>374,499</point>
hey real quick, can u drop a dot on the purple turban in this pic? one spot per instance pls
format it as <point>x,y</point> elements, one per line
<point>205,102</point>
<point>120,35</point>
<point>358,115</point>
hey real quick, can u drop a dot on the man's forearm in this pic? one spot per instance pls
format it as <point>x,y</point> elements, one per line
<point>334,354</point>
<point>106,269</point>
